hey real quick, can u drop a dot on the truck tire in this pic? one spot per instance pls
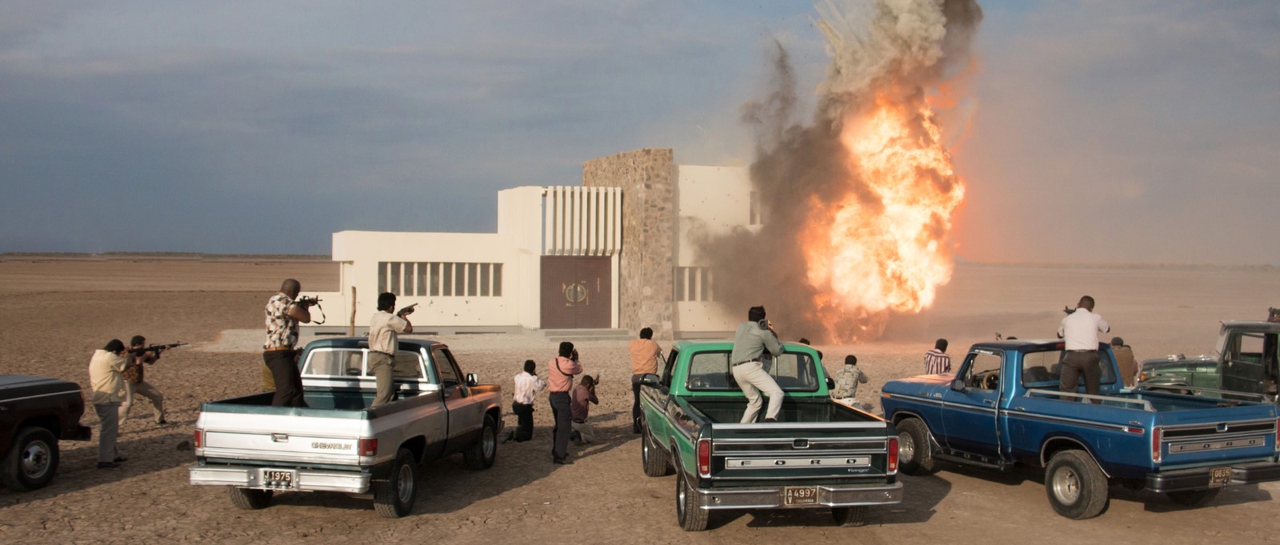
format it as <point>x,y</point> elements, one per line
<point>1076,486</point>
<point>394,497</point>
<point>32,460</point>
<point>691,517</point>
<point>653,456</point>
<point>250,499</point>
<point>850,516</point>
<point>482,453</point>
<point>915,448</point>
<point>1193,498</point>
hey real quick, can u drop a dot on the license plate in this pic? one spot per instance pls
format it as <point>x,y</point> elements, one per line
<point>1219,476</point>
<point>280,479</point>
<point>800,495</point>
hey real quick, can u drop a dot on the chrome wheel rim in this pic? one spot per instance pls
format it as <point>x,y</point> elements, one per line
<point>906,447</point>
<point>35,459</point>
<point>404,484</point>
<point>490,443</point>
<point>1066,485</point>
<point>680,497</point>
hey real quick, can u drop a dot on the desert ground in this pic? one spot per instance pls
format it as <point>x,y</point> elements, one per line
<point>55,312</point>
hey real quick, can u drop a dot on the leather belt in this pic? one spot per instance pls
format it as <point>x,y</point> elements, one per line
<point>277,349</point>
<point>1086,350</point>
<point>748,361</point>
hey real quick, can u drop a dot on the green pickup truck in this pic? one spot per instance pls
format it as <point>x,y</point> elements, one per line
<point>1245,361</point>
<point>820,454</point>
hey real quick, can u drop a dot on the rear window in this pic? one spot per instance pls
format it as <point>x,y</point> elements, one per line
<point>710,371</point>
<point>330,362</point>
<point>1043,369</point>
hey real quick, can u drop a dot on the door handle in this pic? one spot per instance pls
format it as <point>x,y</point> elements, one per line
<point>989,402</point>
<point>938,396</point>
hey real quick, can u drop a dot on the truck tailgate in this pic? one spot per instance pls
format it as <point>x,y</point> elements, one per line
<point>801,450</point>
<point>329,437</point>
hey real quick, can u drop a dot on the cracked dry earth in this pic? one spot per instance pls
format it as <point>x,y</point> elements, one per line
<point>53,313</point>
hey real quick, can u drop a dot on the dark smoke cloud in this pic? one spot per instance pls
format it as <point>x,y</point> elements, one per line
<point>873,50</point>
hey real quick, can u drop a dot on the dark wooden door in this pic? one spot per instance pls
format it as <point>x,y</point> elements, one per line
<point>577,292</point>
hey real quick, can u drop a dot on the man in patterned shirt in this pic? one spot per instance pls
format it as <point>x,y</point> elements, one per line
<point>936,361</point>
<point>283,315</point>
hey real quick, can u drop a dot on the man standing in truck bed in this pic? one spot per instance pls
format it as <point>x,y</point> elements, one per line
<point>1080,330</point>
<point>750,341</point>
<point>278,354</point>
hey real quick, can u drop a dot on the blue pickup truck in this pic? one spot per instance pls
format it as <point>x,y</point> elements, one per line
<point>1003,409</point>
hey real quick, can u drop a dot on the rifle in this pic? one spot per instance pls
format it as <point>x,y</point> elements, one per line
<point>157,348</point>
<point>305,302</point>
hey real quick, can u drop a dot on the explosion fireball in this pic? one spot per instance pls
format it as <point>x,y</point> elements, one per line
<point>858,204</point>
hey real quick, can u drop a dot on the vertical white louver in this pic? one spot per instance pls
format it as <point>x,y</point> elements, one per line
<point>582,221</point>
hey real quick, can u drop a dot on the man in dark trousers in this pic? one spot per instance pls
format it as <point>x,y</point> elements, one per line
<point>560,372</point>
<point>283,314</point>
<point>1080,331</point>
<point>645,354</point>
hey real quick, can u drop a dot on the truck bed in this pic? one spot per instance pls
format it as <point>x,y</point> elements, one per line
<point>721,410</point>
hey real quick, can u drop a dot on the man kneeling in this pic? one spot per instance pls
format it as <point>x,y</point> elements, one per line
<point>750,341</point>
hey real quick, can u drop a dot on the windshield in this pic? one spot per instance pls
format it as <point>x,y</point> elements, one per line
<point>710,371</point>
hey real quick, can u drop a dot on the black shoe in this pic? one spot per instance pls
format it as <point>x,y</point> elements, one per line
<point>508,436</point>
<point>120,459</point>
<point>162,422</point>
<point>108,465</point>
<point>562,461</point>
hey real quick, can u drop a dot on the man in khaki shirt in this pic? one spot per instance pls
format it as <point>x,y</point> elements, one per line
<point>383,342</point>
<point>1125,361</point>
<point>107,381</point>
<point>645,354</point>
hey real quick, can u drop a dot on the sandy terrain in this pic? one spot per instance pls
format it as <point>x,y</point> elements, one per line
<point>53,314</point>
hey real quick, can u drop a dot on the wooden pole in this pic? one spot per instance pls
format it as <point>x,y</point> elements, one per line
<point>351,329</point>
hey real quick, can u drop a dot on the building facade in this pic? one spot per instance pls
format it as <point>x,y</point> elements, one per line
<point>613,253</point>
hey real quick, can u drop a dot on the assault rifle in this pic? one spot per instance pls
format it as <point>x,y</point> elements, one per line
<point>157,348</point>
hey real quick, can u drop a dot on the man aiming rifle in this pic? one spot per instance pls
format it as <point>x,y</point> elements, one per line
<point>139,355</point>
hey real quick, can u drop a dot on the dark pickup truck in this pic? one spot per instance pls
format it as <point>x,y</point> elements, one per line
<point>35,412</point>
<point>820,454</point>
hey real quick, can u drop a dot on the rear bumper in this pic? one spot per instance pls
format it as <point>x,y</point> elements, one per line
<point>309,480</point>
<point>1198,478</point>
<point>774,497</point>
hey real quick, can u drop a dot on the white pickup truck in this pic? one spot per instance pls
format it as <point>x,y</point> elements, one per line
<point>337,444</point>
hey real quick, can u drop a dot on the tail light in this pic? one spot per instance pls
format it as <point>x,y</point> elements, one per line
<point>368,447</point>
<point>198,438</point>
<point>892,466</point>
<point>1155,445</point>
<point>704,457</point>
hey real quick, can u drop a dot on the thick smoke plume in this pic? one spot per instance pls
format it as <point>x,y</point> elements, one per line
<point>887,56</point>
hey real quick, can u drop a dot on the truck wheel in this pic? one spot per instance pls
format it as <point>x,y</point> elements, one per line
<point>691,517</point>
<point>653,456</point>
<point>850,516</point>
<point>32,460</point>
<point>250,499</point>
<point>394,497</point>
<point>915,449</point>
<point>1076,486</point>
<point>1193,498</point>
<point>480,455</point>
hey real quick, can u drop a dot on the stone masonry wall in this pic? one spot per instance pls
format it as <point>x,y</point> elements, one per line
<point>647,261</point>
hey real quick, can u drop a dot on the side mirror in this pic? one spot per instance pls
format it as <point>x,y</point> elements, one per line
<point>472,379</point>
<point>831,383</point>
<point>958,385</point>
<point>649,379</point>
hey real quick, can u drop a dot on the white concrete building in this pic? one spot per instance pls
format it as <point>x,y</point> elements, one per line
<point>611,254</point>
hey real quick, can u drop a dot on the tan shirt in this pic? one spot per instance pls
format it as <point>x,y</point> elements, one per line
<point>383,330</point>
<point>105,378</point>
<point>560,372</point>
<point>1127,364</point>
<point>644,356</point>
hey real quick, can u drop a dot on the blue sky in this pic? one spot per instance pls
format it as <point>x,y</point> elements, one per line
<point>1103,131</point>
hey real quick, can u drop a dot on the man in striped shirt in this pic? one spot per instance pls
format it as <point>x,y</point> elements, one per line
<point>936,361</point>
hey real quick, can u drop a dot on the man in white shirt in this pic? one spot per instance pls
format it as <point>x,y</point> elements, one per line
<point>383,342</point>
<point>527,384</point>
<point>1080,330</point>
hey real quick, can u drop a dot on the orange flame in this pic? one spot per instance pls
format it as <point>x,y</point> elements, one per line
<point>883,246</point>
